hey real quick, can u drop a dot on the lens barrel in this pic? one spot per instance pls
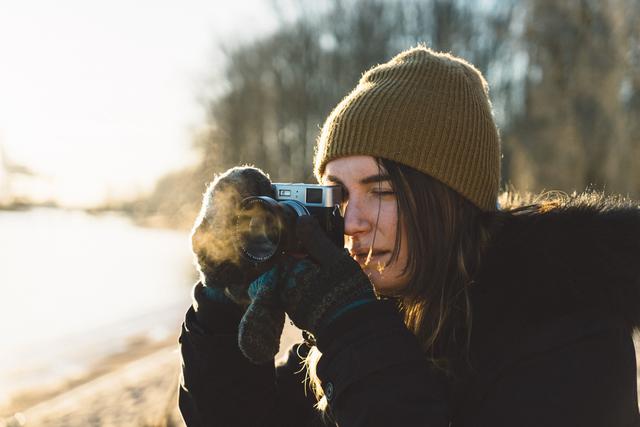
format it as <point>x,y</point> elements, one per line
<point>265,227</point>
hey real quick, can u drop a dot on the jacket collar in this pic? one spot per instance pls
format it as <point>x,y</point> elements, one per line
<point>564,255</point>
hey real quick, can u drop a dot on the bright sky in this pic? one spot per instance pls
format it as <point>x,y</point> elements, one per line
<point>100,97</point>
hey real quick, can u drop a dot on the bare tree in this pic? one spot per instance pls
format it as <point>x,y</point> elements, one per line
<point>565,79</point>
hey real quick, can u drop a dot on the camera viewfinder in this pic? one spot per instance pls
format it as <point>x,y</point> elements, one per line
<point>314,195</point>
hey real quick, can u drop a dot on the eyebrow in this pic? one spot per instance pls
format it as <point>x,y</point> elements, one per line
<point>368,180</point>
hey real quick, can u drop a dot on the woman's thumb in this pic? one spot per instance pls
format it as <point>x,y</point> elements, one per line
<point>260,329</point>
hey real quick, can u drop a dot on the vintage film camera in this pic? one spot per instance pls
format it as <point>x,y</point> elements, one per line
<point>265,226</point>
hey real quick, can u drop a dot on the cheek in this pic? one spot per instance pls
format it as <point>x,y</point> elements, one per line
<point>388,221</point>
<point>390,280</point>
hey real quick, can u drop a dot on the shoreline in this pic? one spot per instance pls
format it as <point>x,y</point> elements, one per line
<point>138,347</point>
<point>135,387</point>
<point>140,393</point>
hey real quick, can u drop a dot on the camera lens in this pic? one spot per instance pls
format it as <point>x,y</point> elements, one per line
<point>259,228</point>
<point>266,227</point>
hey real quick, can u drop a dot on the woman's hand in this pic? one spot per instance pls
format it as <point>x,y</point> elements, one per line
<point>313,291</point>
<point>316,290</point>
<point>220,265</point>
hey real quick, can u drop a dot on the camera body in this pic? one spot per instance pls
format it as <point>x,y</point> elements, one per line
<point>265,226</point>
<point>320,201</point>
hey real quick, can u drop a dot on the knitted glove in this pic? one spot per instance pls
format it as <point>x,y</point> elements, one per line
<point>312,293</point>
<point>263,321</point>
<point>219,263</point>
<point>214,311</point>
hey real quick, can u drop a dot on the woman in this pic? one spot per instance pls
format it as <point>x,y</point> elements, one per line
<point>446,310</point>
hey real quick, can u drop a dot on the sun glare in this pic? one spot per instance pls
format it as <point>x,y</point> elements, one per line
<point>99,100</point>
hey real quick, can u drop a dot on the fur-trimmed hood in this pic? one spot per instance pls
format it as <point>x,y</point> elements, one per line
<point>562,256</point>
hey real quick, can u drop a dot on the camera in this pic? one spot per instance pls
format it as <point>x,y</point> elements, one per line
<point>265,226</point>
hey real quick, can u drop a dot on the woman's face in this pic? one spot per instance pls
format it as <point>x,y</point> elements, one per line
<point>370,220</point>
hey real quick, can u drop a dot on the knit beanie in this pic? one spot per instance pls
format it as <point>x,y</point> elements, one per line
<point>427,110</point>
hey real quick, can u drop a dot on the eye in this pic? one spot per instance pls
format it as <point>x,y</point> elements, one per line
<point>383,192</point>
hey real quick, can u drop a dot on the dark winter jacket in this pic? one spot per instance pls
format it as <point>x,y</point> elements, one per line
<point>554,306</point>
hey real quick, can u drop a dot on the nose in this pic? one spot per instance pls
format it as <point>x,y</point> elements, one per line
<point>356,221</point>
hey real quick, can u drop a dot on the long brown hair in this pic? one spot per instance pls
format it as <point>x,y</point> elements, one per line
<point>446,237</point>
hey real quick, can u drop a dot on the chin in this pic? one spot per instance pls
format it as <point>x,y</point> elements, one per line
<point>387,286</point>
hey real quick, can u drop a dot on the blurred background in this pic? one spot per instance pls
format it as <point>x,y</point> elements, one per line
<point>114,116</point>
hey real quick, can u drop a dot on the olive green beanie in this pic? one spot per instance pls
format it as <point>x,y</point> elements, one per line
<point>427,110</point>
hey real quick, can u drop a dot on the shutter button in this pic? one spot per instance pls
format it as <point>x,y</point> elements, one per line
<point>328,390</point>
